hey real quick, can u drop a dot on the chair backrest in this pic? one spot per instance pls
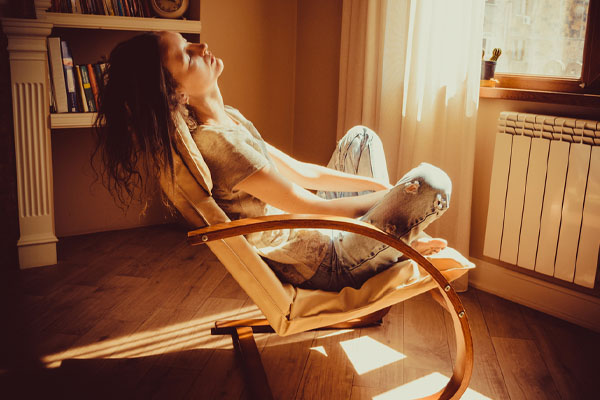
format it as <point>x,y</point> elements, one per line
<point>287,308</point>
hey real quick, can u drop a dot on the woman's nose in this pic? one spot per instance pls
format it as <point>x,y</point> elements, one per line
<point>203,48</point>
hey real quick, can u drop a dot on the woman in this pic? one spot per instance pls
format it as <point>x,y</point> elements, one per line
<point>153,74</point>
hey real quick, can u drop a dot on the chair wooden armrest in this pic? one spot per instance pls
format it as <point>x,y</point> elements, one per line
<point>463,365</point>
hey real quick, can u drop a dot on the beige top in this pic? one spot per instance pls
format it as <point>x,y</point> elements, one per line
<point>233,154</point>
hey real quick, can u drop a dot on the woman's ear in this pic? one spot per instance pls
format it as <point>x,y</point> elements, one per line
<point>183,98</point>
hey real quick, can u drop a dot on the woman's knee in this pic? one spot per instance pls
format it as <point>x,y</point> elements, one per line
<point>361,133</point>
<point>362,150</point>
<point>433,179</point>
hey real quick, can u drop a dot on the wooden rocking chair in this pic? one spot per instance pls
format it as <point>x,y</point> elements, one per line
<point>289,309</point>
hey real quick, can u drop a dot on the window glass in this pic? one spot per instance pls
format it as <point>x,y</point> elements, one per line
<point>537,37</point>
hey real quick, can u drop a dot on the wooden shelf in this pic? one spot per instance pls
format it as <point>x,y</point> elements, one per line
<point>72,120</point>
<point>109,22</point>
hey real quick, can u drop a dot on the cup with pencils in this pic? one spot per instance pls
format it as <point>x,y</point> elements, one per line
<point>488,68</point>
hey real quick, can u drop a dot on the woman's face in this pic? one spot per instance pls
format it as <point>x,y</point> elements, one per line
<point>192,65</point>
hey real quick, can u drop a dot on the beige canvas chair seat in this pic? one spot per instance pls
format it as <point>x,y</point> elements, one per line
<point>289,309</point>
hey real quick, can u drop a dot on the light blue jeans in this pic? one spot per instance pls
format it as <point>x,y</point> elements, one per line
<point>403,213</point>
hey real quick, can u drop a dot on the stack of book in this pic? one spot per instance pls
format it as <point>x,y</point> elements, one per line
<point>74,87</point>
<point>127,8</point>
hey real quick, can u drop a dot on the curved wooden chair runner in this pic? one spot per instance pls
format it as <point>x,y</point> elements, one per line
<point>241,330</point>
<point>288,309</point>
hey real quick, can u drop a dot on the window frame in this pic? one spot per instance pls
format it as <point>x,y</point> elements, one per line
<point>588,83</point>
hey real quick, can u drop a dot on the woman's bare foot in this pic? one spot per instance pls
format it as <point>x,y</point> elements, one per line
<point>428,246</point>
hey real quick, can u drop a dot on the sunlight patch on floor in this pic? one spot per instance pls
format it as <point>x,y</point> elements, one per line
<point>367,354</point>
<point>194,334</point>
<point>336,333</point>
<point>320,349</point>
<point>425,386</point>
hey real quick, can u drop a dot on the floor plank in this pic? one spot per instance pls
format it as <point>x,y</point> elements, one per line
<point>328,373</point>
<point>284,359</point>
<point>571,354</point>
<point>425,340</point>
<point>384,348</point>
<point>503,318</point>
<point>524,370</point>
<point>487,378</point>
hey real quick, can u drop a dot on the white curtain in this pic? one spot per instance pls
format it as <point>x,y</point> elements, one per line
<point>409,69</point>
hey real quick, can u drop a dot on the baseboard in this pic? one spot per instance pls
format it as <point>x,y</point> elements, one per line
<point>578,308</point>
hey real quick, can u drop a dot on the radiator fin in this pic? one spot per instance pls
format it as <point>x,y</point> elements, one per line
<point>515,197</point>
<point>552,207</point>
<point>587,254</point>
<point>534,197</point>
<point>572,212</point>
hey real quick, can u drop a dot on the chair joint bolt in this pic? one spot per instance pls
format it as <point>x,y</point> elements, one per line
<point>461,314</point>
<point>447,288</point>
<point>204,238</point>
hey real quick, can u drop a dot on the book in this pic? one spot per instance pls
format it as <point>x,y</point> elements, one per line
<point>57,75</point>
<point>146,7</point>
<point>98,76</point>
<point>94,6</point>
<point>93,83</point>
<point>66,6</point>
<point>109,7</point>
<point>87,88</point>
<point>119,7</point>
<point>83,6</point>
<point>76,6</point>
<point>126,8</point>
<point>101,6</point>
<point>52,99</point>
<point>67,61</point>
<point>80,90</point>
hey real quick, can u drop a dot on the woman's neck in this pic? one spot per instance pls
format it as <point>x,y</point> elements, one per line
<point>210,110</point>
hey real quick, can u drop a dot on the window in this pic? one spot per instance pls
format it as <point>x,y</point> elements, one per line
<point>546,44</point>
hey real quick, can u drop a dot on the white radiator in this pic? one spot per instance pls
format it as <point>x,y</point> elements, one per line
<point>544,207</point>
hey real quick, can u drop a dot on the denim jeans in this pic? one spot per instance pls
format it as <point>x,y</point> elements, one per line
<point>420,197</point>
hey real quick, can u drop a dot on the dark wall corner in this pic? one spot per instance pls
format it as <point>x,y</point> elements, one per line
<point>19,9</point>
<point>9,233</point>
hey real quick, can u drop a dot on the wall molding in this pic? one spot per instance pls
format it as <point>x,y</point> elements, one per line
<point>578,308</point>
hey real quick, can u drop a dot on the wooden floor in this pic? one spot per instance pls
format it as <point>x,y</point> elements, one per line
<point>127,314</point>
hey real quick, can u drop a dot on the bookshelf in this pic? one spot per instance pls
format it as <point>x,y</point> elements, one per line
<point>63,20</point>
<point>72,120</point>
<point>33,123</point>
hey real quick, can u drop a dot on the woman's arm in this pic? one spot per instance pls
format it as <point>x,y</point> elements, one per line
<point>312,176</point>
<point>273,188</point>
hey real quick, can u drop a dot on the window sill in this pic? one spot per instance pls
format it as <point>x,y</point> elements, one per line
<point>576,99</point>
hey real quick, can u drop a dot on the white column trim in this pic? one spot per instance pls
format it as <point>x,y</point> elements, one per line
<point>33,154</point>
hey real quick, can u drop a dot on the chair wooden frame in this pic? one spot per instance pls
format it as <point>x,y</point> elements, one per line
<point>242,330</point>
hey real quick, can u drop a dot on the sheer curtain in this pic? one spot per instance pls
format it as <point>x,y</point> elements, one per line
<point>409,69</point>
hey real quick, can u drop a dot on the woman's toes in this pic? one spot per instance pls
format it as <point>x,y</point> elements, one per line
<point>430,246</point>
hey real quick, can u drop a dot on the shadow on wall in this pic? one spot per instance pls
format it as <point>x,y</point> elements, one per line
<point>9,233</point>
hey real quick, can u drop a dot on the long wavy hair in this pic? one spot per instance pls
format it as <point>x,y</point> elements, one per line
<point>134,126</point>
